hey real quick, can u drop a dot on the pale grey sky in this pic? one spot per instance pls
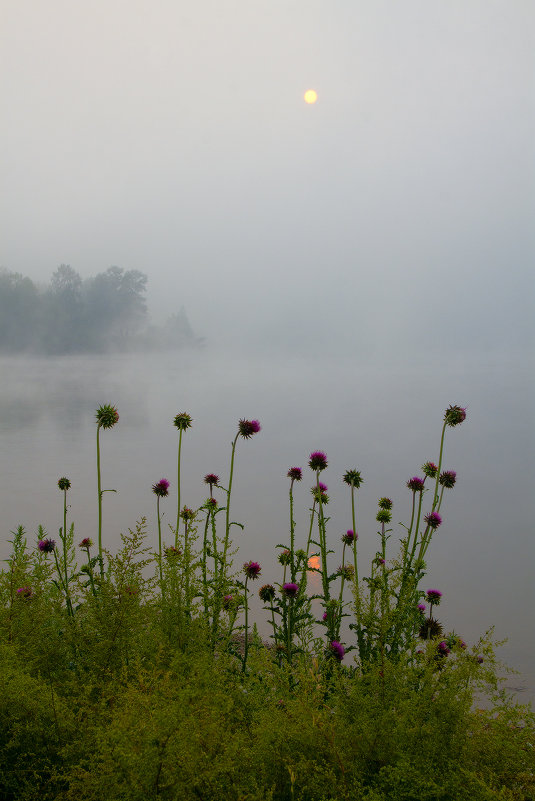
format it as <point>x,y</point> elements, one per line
<point>172,138</point>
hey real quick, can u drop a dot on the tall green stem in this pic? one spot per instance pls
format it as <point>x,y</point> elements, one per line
<point>99,492</point>
<point>159,543</point>
<point>178,487</point>
<point>227,514</point>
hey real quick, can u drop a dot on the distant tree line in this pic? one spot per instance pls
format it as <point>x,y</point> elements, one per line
<point>71,315</point>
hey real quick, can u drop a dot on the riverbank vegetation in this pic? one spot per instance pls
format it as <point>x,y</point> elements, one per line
<point>105,312</point>
<point>141,674</point>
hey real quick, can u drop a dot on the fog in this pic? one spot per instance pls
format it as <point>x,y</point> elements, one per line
<point>354,265</point>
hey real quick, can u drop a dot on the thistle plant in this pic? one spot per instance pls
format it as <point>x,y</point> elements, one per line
<point>107,416</point>
<point>161,490</point>
<point>182,421</point>
<point>252,571</point>
<point>66,540</point>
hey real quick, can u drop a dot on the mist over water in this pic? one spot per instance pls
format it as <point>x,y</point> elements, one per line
<point>383,419</point>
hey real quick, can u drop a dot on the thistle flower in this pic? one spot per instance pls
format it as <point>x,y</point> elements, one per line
<point>107,416</point>
<point>430,469</point>
<point>320,496</point>
<point>324,616</point>
<point>248,427</point>
<point>317,460</point>
<point>430,629</point>
<point>346,571</point>
<point>295,473</point>
<point>212,479</point>
<point>415,484</point>
<point>433,520</point>
<point>448,478</point>
<point>337,650</point>
<point>285,557</point>
<point>187,514</point>
<point>454,415</point>
<point>385,503</point>
<point>46,546</point>
<point>252,569</point>
<point>211,504</point>
<point>353,478</point>
<point>349,537</point>
<point>228,602</point>
<point>172,553</point>
<point>384,516</point>
<point>267,593</point>
<point>86,543</point>
<point>443,649</point>
<point>161,489</point>
<point>290,590</point>
<point>64,483</point>
<point>433,597</point>
<point>379,560</point>
<point>421,607</point>
<point>24,592</point>
<point>182,421</point>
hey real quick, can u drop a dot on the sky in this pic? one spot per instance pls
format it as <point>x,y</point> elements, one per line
<point>173,138</point>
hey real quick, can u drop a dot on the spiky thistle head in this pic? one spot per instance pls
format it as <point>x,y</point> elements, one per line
<point>349,537</point>
<point>353,478</point>
<point>267,593</point>
<point>346,571</point>
<point>252,569</point>
<point>182,421</point>
<point>433,597</point>
<point>107,416</point>
<point>430,629</point>
<point>161,489</point>
<point>384,516</point>
<point>295,473</point>
<point>212,479</point>
<point>64,483</point>
<point>86,543</point>
<point>187,514</point>
<point>433,520</point>
<point>454,415</point>
<point>415,484</point>
<point>290,590</point>
<point>448,478</point>
<point>317,460</point>
<point>24,592</point>
<point>337,650</point>
<point>385,503</point>
<point>285,557</point>
<point>47,545</point>
<point>246,428</point>
<point>430,469</point>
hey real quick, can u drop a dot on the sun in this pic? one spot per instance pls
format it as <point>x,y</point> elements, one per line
<point>310,96</point>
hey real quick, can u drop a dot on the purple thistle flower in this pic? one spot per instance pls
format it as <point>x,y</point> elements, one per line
<point>430,469</point>
<point>248,427</point>
<point>317,460</point>
<point>443,649</point>
<point>211,504</point>
<point>252,569</point>
<point>64,483</point>
<point>86,543</point>
<point>454,415</point>
<point>433,597</point>
<point>212,479</point>
<point>295,473</point>
<point>324,616</point>
<point>415,484</point>
<point>337,650</point>
<point>267,593</point>
<point>421,607</point>
<point>290,590</point>
<point>24,592</point>
<point>448,478</point>
<point>433,520</point>
<point>46,546</point>
<point>349,537</point>
<point>228,601</point>
<point>161,489</point>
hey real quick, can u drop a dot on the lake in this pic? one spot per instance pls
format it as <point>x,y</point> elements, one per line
<point>380,417</point>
